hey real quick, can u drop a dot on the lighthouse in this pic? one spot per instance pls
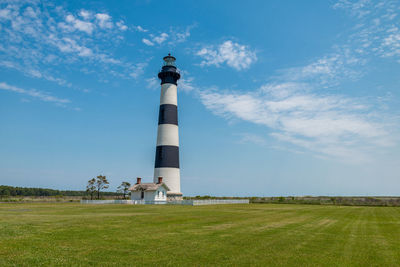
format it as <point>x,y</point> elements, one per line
<point>167,150</point>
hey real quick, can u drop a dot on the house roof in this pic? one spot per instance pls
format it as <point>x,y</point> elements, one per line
<point>147,186</point>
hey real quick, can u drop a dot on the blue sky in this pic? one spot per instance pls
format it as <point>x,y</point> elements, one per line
<point>276,97</point>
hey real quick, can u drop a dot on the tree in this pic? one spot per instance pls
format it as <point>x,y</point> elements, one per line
<point>91,187</point>
<point>101,183</point>
<point>123,188</point>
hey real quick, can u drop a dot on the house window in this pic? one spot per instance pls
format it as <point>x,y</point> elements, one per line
<point>142,194</point>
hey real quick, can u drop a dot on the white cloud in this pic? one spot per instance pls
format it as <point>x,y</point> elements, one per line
<point>152,83</point>
<point>173,37</point>
<point>147,42</point>
<point>31,72</point>
<point>35,73</point>
<point>182,36</point>
<point>85,14</point>
<point>104,20</point>
<point>70,46</point>
<point>161,38</point>
<point>109,60</point>
<point>391,44</point>
<point>5,13</point>
<point>186,82</point>
<point>30,12</point>
<point>35,39</point>
<point>121,25</point>
<point>138,69</point>
<point>326,124</point>
<point>327,71</point>
<point>34,93</point>
<point>284,89</point>
<point>293,104</point>
<point>357,8</point>
<point>177,35</point>
<point>233,54</point>
<point>377,32</point>
<point>78,24</point>
<point>140,29</point>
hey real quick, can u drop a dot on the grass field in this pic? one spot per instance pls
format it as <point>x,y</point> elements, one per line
<point>255,234</point>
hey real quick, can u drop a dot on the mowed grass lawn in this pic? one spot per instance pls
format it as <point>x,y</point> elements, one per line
<point>218,235</point>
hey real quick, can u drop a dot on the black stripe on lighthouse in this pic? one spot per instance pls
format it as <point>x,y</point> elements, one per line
<point>168,114</point>
<point>167,156</point>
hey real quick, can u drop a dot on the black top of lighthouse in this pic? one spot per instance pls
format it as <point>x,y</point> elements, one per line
<point>169,73</point>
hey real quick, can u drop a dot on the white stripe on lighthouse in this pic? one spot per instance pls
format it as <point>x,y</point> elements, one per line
<point>168,135</point>
<point>171,177</point>
<point>169,94</point>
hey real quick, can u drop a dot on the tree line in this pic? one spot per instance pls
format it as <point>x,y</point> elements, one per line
<point>6,190</point>
<point>94,189</point>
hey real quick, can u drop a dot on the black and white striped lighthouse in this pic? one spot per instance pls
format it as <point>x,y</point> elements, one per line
<point>167,152</point>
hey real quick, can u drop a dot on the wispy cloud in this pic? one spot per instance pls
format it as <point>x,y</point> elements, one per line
<point>138,69</point>
<point>104,20</point>
<point>186,83</point>
<point>179,34</point>
<point>68,45</point>
<point>377,30</point>
<point>32,72</point>
<point>330,125</point>
<point>160,38</point>
<point>174,36</point>
<point>294,104</point>
<point>232,54</point>
<point>155,39</point>
<point>74,23</point>
<point>36,38</point>
<point>140,28</point>
<point>85,14</point>
<point>182,36</point>
<point>327,71</point>
<point>250,138</point>
<point>43,96</point>
<point>153,83</point>
<point>121,25</point>
<point>147,42</point>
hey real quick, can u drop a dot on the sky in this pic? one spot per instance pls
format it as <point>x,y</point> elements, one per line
<point>276,97</point>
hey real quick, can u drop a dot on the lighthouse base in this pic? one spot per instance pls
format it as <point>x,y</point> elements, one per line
<point>173,196</point>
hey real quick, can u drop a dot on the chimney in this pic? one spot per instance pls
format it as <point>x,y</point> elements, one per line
<point>160,180</point>
<point>139,180</point>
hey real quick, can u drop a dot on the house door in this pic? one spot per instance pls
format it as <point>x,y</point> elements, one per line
<point>142,194</point>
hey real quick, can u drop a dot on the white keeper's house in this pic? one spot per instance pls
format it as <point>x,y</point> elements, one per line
<point>149,191</point>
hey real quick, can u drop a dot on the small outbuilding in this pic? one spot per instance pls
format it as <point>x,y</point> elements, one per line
<point>149,191</point>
